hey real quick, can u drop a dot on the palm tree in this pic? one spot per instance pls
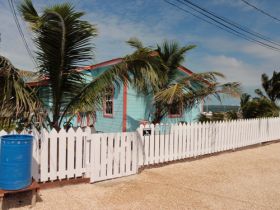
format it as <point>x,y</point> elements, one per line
<point>64,43</point>
<point>18,103</point>
<point>172,56</point>
<point>245,97</point>
<point>271,87</point>
<point>259,107</point>
<point>183,91</point>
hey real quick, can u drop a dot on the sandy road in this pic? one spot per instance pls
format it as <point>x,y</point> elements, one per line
<point>248,179</point>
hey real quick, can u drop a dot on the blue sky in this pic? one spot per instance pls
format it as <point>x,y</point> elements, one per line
<point>153,21</point>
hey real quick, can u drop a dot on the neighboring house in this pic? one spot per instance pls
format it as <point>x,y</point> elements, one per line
<point>124,109</point>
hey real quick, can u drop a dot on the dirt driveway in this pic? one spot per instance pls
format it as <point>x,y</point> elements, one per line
<point>248,179</point>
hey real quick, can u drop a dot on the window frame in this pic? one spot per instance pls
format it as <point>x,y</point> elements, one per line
<point>108,115</point>
<point>178,115</point>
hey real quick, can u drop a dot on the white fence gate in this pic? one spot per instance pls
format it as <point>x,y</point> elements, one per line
<point>101,156</point>
<point>114,155</point>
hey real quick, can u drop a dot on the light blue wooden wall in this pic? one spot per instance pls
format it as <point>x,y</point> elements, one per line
<point>140,108</point>
<point>114,124</point>
<point>110,124</point>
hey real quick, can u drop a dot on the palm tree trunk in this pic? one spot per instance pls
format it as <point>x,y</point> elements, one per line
<point>158,115</point>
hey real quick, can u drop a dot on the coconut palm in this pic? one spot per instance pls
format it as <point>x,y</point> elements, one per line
<point>271,87</point>
<point>245,97</point>
<point>174,89</point>
<point>64,43</point>
<point>186,91</point>
<point>259,107</point>
<point>18,103</point>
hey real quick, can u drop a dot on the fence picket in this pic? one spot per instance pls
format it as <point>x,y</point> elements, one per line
<point>44,165</point>
<point>134,166</point>
<point>195,139</point>
<point>128,154</point>
<point>157,145</point>
<point>110,153</point>
<point>116,158</point>
<point>140,143</point>
<point>70,153</point>
<point>188,130</point>
<point>206,136</point>
<point>103,162</point>
<point>199,138</point>
<point>166,143</point>
<point>161,143</point>
<point>171,152</point>
<point>147,147</point>
<point>176,142</point>
<point>96,161</point>
<point>36,154</point>
<point>78,153</point>
<point>62,155</point>
<point>184,138</point>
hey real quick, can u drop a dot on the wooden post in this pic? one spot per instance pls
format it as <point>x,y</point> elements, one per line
<point>1,202</point>
<point>33,199</point>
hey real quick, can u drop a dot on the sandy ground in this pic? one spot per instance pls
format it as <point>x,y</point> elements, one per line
<point>248,179</point>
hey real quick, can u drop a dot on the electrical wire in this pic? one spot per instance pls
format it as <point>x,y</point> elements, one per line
<point>12,7</point>
<point>223,20</point>
<point>234,32</point>
<point>260,10</point>
<point>224,26</point>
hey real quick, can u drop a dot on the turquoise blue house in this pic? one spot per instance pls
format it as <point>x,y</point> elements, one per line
<point>124,110</point>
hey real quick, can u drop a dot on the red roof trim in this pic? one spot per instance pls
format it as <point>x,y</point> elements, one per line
<point>92,67</point>
<point>38,83</point>
<point>102,64</point>
<point>44,82</point>
<point>184,69</point>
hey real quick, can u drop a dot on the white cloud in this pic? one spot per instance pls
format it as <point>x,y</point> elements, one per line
<point>234,69</point>
<point>262,53</point>
<point>115,31</point>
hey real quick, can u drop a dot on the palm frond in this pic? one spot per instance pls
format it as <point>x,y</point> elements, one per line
<point>271,87</point>
<point>18,101</point>
<point>140,70</point>
<point>64,43</point>
<point>136,43</point>
<point>192,90</point>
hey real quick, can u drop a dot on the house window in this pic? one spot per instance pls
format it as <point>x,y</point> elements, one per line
<point>108,102</point>
<point>175,111</point>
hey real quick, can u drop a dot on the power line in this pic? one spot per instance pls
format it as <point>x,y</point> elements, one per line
<point>227,29</point>
<point>12,7</point>
<point>228,22</point>
<point>261,10</point>
<point>226,26</point>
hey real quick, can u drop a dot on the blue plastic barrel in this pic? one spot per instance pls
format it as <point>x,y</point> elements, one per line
<point>15,161</point>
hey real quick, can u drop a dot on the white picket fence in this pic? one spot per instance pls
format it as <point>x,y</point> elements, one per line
<point>101,156</point>
<point>180,141</point>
